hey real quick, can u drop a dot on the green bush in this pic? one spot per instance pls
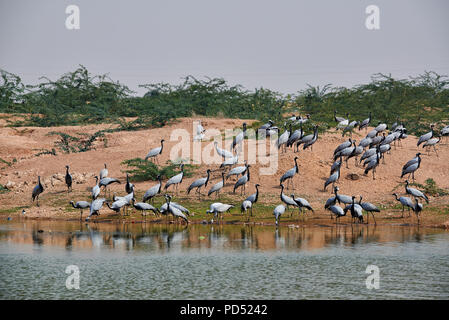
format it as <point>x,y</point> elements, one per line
<point>430,188</point>
<point>144,170</point>
<point>79,98</point>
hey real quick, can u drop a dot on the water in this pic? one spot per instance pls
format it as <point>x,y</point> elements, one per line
<point>138,261</point>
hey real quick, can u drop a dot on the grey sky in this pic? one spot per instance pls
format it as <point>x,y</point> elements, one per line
<point>281,45</point>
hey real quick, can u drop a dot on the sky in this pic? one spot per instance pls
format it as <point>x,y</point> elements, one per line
<point>282,45</point>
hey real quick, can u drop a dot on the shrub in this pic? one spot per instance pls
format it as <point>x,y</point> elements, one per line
<point>144,170</point>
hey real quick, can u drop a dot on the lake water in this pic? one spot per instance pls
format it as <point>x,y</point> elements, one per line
<point>145,261</point>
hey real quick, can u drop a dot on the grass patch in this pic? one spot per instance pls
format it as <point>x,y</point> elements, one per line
<point>3,189</point>
<point>430,188</point>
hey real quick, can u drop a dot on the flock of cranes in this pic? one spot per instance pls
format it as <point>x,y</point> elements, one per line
<point>371,149</point>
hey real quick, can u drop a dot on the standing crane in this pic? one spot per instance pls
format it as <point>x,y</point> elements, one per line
<point>37,190</point>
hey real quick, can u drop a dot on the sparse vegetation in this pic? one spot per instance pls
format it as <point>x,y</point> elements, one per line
<point>145,170</point>
<point>3,189</point>
<point>79,97</point>
<point>71,144</point>
<point>46,151</point>
<point>430,188</point>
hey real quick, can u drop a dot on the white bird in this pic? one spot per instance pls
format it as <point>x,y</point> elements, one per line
<point>219,208</point>
<point>95,189</point>
<point>229,162</point>
<point>222,152</point>
<point>292,118</point>
<point>153,153</point>
<point>238,139</point>
<point>350,127</point>
<point>104,172</point>
<point>199,137</point>
<point>246,205</point>
<point>213,206</point>
<point>277,212</point>
<point>340,120</point>
<point>272,131</point>
<point>199,128</point>
<point>300,120</point>
<point>95,207</point>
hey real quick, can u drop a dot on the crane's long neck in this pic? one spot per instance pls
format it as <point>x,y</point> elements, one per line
<point>257,193</point>
<point>162,145</point>
<point>296,165</point>
<point>207,178</point>
<point>73,204</point>
<point>396,196</point>
<point>168,204</point>
<point>247,173</point>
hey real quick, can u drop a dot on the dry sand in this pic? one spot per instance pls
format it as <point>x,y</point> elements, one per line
<point>314,166</point>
